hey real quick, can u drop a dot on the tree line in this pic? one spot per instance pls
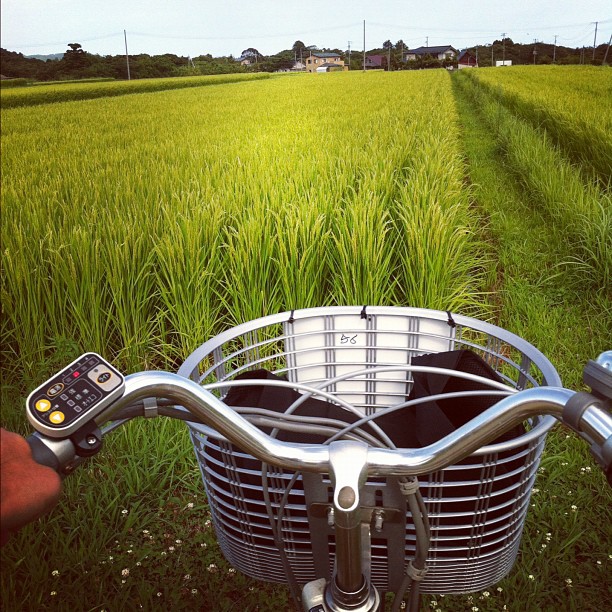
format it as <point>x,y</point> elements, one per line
<point>77,63</point>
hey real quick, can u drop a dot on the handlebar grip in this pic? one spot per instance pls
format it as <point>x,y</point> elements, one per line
<point>59,455</point>
<point>42,454</point>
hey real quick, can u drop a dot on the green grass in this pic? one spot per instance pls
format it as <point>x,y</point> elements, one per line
<point>577,211</point>
<point>562,563</point>
<point>552,98</point>
<point>207,216</point>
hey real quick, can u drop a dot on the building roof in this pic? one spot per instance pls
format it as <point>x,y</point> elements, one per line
<point>430,50</point>
<point>326,55</point>
<point>466,55</point>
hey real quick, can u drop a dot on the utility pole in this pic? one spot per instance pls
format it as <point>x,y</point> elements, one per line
<point>535,51</point>
<point>555,50</point>
<point>349,50</point>
<point>389,58</point>
<point>364,45</point>
<point>427,41</point>
<point>503,48</point>
<point>606,54</point>
<point>595,40</point>
<point>127,57</point>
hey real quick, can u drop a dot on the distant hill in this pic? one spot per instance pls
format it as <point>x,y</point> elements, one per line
<point>44,58</point>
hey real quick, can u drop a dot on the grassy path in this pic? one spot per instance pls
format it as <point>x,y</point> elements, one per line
<point>562,563</point>
<point>109,549</point>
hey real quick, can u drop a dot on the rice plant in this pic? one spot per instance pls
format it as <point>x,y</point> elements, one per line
<point>65,92</point>
<point>553,98</point>
<point>575,206</point>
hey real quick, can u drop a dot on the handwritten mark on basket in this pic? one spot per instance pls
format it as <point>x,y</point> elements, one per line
<point>344,339</point>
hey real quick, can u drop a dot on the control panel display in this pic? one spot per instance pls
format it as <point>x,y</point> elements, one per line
<point>74,396</point>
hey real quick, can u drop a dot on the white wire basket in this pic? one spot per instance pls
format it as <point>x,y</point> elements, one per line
<point>476,509</point>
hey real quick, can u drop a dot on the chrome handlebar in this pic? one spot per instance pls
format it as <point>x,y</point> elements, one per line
<point>594,424</point>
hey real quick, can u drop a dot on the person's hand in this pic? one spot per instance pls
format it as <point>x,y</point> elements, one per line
<point>27,489</point>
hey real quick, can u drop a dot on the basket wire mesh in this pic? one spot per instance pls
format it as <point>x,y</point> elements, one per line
<point>477,508</point>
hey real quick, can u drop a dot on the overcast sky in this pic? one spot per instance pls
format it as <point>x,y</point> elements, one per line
<point>196,27</point>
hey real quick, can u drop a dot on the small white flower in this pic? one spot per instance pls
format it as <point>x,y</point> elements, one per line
<point>194,591</point>
<point>499,589</point>
<point>125,572</point>
<point>179,541</point>
<point>53,593</point>
<point>124,511</point>
<point>55,573</point>
<point>186,577</point>
<point>486,593</point>
<point>190,505</point>
<point>171,548</point>
<point>574,508</point>
<point>159,594</point>
<point>531,577</point>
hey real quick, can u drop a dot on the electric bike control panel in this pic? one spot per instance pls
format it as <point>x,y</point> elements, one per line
<point>74,396</point>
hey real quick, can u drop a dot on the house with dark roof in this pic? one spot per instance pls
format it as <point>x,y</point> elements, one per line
<point>445,52</point>
<point>467,60</point>
<point>316,60</point>
<point>375,62</point>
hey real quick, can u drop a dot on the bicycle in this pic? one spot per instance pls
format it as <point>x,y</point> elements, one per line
<point>315,492</point>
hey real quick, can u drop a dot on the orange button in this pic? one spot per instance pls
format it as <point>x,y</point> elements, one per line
<point>57,417</point>
<point>42,405</point>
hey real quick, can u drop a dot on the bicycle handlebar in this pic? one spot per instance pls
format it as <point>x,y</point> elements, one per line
<point>593,423</point>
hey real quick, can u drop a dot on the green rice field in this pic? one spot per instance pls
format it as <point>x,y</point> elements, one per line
<point>139,220</point>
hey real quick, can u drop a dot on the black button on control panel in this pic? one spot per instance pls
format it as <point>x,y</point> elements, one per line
<point>74,396</point>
